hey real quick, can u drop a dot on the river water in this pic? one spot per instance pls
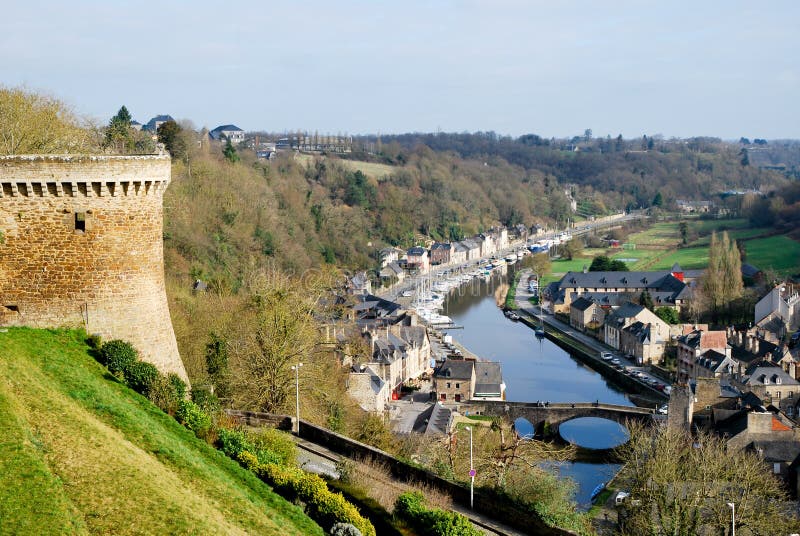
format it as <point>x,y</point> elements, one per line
<point>537,370</point>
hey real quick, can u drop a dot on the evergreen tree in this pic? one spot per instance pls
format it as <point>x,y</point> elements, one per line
<point>169,133</point>
<point>230,152</point>
<point>119,134</point>
<point>645,300</point>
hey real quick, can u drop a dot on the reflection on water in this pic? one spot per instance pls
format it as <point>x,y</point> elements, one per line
<point>533,370</point>
<point>594,433</point>
<point>587,476</point>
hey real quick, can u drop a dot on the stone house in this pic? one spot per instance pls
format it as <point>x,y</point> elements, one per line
<point>694,344</point>
<point>227,132</point>
<point>585,313</point>
<point>453,381</point>
<point>359,284</point>
<point>458,380</point>
<point>417,259</point>
<point>399,353</point>
<point>666,287</point>
<point>458,253</point>
<point>367,387</point>
<point>393,271</point>
<point>644,341</point>
<point>714,364</point>
<point>779,309</point>
<point>440,253</point>
<point>771,384</point>
<point>473,248</point>
<point>389,255</point>
<point>627,314</point>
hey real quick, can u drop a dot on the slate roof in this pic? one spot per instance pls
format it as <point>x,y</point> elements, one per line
<point>416,251</point>
<point>151,125</point>
<point>714,361</point>
<point>603,298</point>
<point>488,379</point>
<point>457,369</point>
<point>391,269</point>
<point>748,270</point>
<point>440,245</point>
<point>220,131</point>
<point>581,304</point>
<point>619,315</point>
<point>459,246</point>
<point>763,374</point>
<point>643,333</point>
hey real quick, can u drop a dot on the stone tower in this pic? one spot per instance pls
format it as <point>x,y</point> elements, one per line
<point>81,245</point>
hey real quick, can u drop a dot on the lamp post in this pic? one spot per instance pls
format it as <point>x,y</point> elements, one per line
<point>471,468</point>
<point>733,518</point>
<point>296,369</point>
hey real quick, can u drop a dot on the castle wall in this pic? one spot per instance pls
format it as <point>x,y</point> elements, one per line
<point>82,246</point>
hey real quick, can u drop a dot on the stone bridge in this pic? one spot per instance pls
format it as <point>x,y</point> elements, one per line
<point>555,414</point>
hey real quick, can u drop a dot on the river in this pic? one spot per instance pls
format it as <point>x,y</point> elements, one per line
<point>535,370</point>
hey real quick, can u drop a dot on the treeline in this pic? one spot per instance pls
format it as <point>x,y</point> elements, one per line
<point>622,173</point>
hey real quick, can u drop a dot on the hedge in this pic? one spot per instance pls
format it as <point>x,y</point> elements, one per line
<point>432,521</point>
<point>322,505</point>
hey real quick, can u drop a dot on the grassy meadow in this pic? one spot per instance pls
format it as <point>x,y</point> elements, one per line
<point>80,453</point>
<point>657,248</point>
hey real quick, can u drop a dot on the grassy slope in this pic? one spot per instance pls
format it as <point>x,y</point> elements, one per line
<point>80,453</point>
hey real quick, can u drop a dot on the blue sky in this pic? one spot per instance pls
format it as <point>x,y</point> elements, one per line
<point>718,68</point>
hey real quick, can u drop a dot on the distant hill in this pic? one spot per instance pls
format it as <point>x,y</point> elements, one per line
<point>82,454</point>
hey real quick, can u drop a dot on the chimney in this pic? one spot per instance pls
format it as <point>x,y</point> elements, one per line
<point>755,345</point>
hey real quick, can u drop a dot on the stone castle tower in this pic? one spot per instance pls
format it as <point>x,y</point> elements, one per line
<point>81,245</point>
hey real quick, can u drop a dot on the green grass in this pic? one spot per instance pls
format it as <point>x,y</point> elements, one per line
<point>779,253</point>
<point>82,454</point>
<point>688,258</point>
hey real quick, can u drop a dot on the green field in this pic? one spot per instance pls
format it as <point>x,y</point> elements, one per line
<point>81,453</point>
<point>370,169</point>
<point>779,253</point>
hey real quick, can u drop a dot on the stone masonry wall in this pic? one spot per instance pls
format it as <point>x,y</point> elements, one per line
<point>81,245</point>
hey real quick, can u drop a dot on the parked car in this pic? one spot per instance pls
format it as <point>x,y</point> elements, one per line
<point>606,356</point>
<point>664,410</point>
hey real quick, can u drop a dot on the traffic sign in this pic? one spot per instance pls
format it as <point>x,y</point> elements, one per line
<point>472,472</point>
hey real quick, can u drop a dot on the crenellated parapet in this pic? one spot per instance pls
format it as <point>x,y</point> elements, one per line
<point>81,244</point>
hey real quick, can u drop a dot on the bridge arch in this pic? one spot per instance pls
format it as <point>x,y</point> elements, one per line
<point>555,414</point>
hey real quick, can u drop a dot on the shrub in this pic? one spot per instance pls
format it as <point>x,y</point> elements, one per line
<point>117,355</point>
<point>178,385</point>
<point>233,443</point>
<point>432,522</point>
<point>274,446</point>
<point>344,529</point>
<point>165,394</point>
<point>203,397</point>
<point>141,376</point>
<point>192,417</point>
<point>322,505</point>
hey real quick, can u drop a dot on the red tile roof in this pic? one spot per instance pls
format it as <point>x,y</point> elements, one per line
<point>713,339</point>
<point>778,426</point>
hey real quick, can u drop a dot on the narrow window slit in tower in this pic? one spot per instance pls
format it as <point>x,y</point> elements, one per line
<point>80,222</point>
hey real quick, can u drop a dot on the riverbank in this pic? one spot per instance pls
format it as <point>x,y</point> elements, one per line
<point>585,349</point>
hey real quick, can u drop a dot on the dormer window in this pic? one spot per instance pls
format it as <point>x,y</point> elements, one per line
<point>777,380</point>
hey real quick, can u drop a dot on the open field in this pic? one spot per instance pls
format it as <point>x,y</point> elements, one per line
<point>370,169</point>
<point>80,453</point>
<point>779,253</point>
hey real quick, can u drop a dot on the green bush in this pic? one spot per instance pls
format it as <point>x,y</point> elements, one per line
<point>165,393</point>
<point>345,529</point>
<point>192,417</point>
<point>203,397</point>
<point>410,506</point>
<point>274,446</point>
<point>322,505</point>
<point>118,355</point>
<point>233,443</point>
<point>94,341</point>
<point>141,376</point>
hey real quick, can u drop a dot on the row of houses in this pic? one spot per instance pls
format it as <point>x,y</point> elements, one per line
<point>221,133</point>
<point>395,261</point>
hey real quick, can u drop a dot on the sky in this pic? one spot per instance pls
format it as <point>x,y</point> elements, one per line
<point>721,68</point>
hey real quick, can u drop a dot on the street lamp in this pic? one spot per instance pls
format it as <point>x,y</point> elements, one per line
<point>471,468</point>
<point>733,518</point>
<point>296,369</point>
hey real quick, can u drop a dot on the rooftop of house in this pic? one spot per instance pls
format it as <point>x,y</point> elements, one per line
<point>643,333</point>
<point>581,304</point>
<point>622,313</point>
<point>457,369</point>
<point>392,267</point>
<point>154,122</point>
<point>714,361</point>
<point>704,340</point>
<point>440,245</point>
<point>459,246</point>
<point>662,280</point>
<point>767,374</point>
<point>611,299</point>
<point>417,251</point>
<point>748,270</point>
